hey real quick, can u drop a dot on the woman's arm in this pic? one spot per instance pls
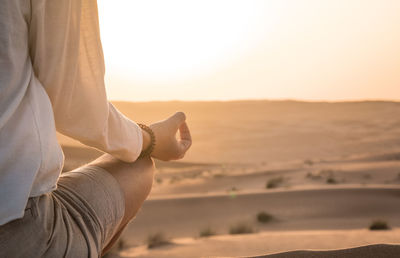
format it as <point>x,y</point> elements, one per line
<point>67,57</point>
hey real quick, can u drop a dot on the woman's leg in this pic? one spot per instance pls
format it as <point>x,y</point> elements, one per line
<point>135,180</point>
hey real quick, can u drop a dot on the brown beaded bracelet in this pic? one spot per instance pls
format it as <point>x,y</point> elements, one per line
<point>148,150</point>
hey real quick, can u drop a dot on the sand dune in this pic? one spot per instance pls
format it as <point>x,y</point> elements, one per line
<point>370,251</point>
<point>336,208</point>
<point>278,131</point>
<point>337,166</point>
<point>209,179</point>
<point>323,243</point>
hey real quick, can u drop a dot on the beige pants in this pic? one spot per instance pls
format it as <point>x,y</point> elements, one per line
<point>76,220</point>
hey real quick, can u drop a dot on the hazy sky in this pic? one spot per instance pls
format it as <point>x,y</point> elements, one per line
<point>272,49</point>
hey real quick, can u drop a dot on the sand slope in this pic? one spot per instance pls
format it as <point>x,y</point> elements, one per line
<point>270,131</point>
<point>335,208</point>
<point>267,243</point>
<point>339,165</point>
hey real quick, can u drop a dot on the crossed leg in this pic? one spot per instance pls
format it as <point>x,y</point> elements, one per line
<point>135,180</point>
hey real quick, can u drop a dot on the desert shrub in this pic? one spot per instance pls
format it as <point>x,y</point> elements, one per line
<point>241,228</point>
<point>367,176</point>
<point>331,180</point>
<point>121,244</point>
<point>311,175</point>
<point>264,217</point>
<point>274,182</point>
<point>174,179</point>
<point>113,252</point>
<point>157,239</point>
<point>379,225</point>
<point>218,175</point>
<point>308,162</point>
<point>206,232</point>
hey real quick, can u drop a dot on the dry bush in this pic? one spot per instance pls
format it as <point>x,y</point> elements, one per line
<point>156,240</point>
<point>313,176</point>
<point>206,232</point>
<point>331,180</point>
<point>274,182</point>
<point>241,228</point>
<point>379,225</point>
<point>308,162</point>
<point>264,217</point>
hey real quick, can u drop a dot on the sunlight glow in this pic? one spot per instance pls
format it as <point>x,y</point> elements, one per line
<point>164,40</point>
<point>251,49</point>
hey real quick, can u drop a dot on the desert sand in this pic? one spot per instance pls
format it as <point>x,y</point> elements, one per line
<point>329,242</point>
<point>323,172</point>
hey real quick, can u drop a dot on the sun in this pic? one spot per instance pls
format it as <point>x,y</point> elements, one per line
<point>172,40</point>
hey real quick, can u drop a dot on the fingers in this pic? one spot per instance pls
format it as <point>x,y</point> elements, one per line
<point>184,132</point>
<point>181,145</point>
<point>178,118</point>
<point>185,138</point>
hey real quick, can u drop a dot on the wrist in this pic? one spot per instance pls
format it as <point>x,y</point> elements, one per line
<point>146,140</point>
<point>149,140</point>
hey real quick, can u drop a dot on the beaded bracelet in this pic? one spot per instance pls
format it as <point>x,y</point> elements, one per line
<point>148,150</point>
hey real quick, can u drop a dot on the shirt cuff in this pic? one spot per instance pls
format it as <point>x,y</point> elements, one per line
<point>138,144</point>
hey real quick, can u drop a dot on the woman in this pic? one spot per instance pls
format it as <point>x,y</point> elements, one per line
<point>52,77</point>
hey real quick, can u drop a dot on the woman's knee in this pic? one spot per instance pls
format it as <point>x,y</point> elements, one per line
<point>135,179</point>
<point>148,169</point>
<point>137,186</point>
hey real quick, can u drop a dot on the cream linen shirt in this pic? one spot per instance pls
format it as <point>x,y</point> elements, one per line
<point>52,76</point>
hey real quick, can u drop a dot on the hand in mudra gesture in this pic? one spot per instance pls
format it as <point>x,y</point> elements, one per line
<point>168,146</point>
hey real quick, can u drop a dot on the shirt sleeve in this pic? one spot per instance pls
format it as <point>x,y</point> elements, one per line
<point>68,60</point>
<point>14,58</point>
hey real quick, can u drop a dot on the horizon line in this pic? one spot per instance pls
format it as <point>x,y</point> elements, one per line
<point>263,99</point>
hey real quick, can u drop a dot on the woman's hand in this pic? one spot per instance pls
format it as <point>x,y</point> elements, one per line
<point>168,146</point>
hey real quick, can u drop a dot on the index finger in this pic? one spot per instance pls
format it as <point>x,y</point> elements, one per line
<point>185,140</point>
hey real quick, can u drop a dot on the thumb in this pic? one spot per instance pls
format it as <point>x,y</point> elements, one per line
<point>178,118</point>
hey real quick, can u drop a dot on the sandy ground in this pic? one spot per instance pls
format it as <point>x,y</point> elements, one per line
<point>256,132</point>
<point>266,243</point>
<point>323,171</point>
<point>216,179</point>
<point>308,210</point>
<point>314,209</point>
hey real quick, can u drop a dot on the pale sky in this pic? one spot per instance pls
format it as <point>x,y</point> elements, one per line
<point>251,49</point>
